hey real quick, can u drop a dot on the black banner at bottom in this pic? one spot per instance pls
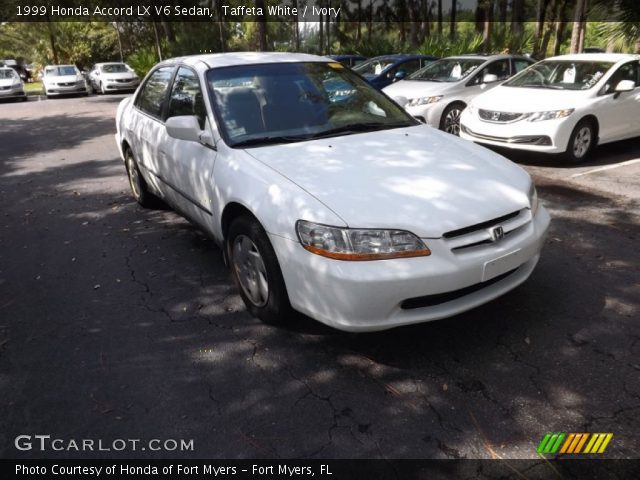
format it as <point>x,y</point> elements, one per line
<point>584,469</point>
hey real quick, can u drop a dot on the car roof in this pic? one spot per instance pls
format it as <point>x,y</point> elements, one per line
<point>597,57</point>
<point>217,60</point>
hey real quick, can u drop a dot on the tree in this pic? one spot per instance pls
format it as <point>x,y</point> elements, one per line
<point>577,34</point>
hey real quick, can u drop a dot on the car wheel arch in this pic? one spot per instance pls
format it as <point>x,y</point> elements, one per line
<point>596,126</point>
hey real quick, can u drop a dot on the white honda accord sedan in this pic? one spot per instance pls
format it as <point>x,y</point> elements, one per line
<point>566,104</point>
<point>344,208</point>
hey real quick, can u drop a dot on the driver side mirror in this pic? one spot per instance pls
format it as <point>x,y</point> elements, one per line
<point>184,127</point>
<point>489,78</point>
<point>625,86</point>
<point>400,75</point>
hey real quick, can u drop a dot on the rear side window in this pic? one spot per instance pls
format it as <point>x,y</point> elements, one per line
<point>186,96</point>
<point>154,92</point>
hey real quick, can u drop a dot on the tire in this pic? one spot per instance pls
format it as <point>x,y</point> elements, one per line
<point>450,120</point>
<point>256,272</point>
<point>581,141</point>
<point>138,185</point>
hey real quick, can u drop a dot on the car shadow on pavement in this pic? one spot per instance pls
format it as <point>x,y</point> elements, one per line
<point>128,319</point>
<point>27,137</point>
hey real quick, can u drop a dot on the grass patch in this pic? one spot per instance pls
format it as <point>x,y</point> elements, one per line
<point>34,88</point>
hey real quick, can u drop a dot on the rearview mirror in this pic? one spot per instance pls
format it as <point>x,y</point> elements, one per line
<point>184,127</point>
<point>489,78</point>
<point>625,86</point>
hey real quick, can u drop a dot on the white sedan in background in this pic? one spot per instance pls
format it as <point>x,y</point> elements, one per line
<point>566,104</point>
<point>63,80</point>
<point>113,77</point>
<point>347,210</point>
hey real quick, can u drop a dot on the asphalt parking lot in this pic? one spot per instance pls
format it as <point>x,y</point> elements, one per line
<point>119,322</point>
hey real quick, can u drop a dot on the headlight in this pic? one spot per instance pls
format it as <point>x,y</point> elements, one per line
<point>533,199</point>
<point>550,115</point>
<point>414,102</point>
<point>359,244</point>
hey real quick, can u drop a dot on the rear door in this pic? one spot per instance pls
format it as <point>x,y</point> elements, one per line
<point>618,113</point>
<point>147,125</point>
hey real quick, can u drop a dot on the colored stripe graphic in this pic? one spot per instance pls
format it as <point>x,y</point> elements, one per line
<point>572,443</point>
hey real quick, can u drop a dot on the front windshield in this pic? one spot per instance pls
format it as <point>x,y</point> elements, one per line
<point>561,75</point>
<point>114,68</point>
<point>60,71</point>
<point>448,70</point>
<point>375,66</point>
<point>7,73</point>
<point>291,102</point>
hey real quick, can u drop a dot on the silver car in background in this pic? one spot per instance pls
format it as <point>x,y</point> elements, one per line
<point>113,77</point>
<point>11,85</point>
<point>438,93</point>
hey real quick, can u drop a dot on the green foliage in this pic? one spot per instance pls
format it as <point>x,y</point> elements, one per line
<point>142,60</point>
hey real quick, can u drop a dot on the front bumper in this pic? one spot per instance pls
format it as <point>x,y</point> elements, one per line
<point>429,113</point>
<point>64,90</point>
<point>378,295</point>
<point>548,136</point>
<point>11,92</point>
<point>117,86</point>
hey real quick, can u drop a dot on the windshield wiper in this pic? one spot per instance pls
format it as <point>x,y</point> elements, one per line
<point>357,128</point>
<point>270,140</point>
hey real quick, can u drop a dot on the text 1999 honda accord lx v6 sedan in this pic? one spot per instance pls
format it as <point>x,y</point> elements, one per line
<point>351,212</point>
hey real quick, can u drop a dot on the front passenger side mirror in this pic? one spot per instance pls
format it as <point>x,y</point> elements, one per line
<point>184,127</point>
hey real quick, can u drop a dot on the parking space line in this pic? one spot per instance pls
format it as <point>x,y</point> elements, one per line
<point>607,167</point>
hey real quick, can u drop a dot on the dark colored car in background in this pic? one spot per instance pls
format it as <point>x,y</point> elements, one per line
<point>386,69</point>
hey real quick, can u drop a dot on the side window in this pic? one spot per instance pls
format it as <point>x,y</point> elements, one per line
<point>186,96</point>
<point>154,92</point>
<point>499,68</point>
<point>519,64</point>
<point>410,67</point>
<point>628,71</point>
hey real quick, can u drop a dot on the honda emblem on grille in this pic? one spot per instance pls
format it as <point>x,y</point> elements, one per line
<point>497,234</point>
<point>495,116</point>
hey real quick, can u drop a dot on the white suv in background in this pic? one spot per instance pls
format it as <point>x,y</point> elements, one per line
<point>566,104</point>
<point>113,77</point>
<point>438,93</point>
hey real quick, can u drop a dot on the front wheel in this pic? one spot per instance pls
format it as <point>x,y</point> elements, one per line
<point>581,141</point>
<point>450,121</point>
<point>256,272</point>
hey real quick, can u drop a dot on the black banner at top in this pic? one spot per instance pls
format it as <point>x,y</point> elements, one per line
<point>315,10</point>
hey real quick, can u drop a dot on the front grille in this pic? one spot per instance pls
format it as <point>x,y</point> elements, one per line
<point>5,88</point>
<point>123,80</point>
<point>522,139</point>
<point>498,117</point>
<point>481,226</point>
<point>66,84</point>
<point>440,298</point>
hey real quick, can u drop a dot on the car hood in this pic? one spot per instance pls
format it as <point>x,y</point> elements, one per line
<point>62,79</point>
<point>417,179</point>
<point>416,89</point>
<point>6,82</point>
<point>521,100</point>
